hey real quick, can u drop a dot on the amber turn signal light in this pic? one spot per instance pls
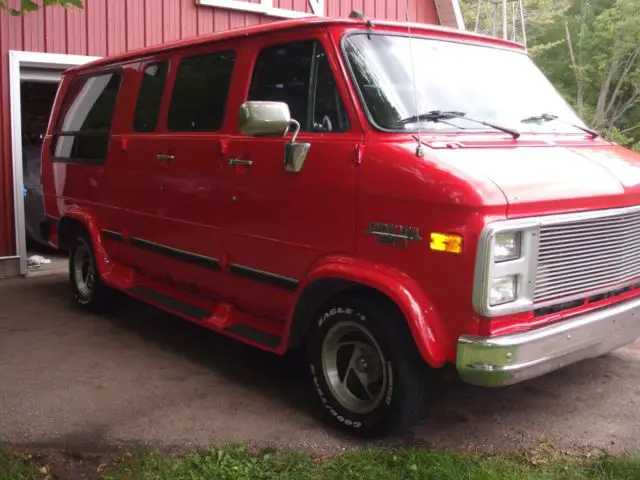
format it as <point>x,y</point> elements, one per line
<point>446,242</point>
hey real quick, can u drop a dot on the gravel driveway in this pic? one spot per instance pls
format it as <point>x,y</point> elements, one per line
<point>73,380</point>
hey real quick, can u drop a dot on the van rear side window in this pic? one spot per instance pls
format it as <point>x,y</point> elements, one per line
<point>83,128</point>
<point>150,97</point>
<point>200,93</point>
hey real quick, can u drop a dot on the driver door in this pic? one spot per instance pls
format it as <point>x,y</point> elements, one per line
<point>280,221</point>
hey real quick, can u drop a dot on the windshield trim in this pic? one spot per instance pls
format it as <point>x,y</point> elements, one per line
<point>426,130</point>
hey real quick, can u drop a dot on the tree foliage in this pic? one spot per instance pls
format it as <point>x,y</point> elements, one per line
<point>590,50</point>
<point>20,7</point>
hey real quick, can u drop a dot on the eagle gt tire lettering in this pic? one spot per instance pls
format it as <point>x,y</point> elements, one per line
<point>365,368</point>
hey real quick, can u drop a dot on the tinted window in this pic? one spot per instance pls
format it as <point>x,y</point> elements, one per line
<point>200,93</point>
<point>82,133</point>
<point>282,74</point>
<point>150,97</point>
<point>288,73</point>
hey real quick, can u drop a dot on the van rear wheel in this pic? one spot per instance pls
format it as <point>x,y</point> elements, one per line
<point>366,370</point>
<point>87,287</point>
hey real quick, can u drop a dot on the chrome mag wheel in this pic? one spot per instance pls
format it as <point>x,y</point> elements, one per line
<point>84,270</point>
<point>354,367</point>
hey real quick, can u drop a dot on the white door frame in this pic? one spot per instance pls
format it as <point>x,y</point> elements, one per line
<point>18,60</point>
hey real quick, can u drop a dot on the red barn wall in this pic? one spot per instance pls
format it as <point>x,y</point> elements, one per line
<point>106,27</point>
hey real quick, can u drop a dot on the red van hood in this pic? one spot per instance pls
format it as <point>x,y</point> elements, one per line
<point>546,180</point>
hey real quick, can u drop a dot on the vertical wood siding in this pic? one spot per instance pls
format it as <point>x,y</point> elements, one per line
<point>107,27</point>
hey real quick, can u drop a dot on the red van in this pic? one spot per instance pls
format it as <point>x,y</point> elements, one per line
<point>392,197</point>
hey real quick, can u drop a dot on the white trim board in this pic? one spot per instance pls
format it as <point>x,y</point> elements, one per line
<point>458,13</point>
<point>17,61</point>
<point>265,7</point>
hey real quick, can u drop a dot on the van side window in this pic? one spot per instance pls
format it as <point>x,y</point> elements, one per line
<point>299,75</point>
<point>200,92</point>
<point>150,97</point>
<point>84,126</point>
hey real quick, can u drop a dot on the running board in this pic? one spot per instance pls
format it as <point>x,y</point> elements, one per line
<point>250,333</point>
<point>169,303</point>
<point>208,318</point>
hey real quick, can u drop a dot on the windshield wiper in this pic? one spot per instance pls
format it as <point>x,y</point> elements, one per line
<point>439,115</point>
<point>548,117</point>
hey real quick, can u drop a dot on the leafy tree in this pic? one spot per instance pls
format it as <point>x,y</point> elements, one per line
<point>590,49</point>
<point>25,6</point>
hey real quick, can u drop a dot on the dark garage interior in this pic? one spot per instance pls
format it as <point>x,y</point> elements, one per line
<point>36,103</point>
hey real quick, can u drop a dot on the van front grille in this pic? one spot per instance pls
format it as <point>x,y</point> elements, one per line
<point>583,256</point>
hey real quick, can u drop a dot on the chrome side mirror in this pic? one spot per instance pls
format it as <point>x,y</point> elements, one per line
<point>264,118</point>
<point>261,118</point>
<point>295,153</point>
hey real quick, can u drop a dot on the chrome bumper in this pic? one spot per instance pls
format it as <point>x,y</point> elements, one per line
<point>509,359</point>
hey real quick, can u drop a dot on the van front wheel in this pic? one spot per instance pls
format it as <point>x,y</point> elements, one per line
<point>366,370</point>
<point>87,287</point>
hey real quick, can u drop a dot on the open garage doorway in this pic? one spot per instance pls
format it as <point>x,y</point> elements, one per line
<point>33,83</point>
<point>36,102</point>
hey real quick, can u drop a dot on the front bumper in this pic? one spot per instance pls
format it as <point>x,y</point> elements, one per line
<point>509,359</point>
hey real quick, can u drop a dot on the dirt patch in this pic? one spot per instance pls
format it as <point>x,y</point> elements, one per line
<point>65,465</point>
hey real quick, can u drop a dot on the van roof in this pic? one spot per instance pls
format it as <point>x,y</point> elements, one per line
<point>287,25</point>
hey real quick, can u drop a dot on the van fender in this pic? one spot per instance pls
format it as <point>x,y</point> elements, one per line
<point>422,319</point>
<point>86,219</point>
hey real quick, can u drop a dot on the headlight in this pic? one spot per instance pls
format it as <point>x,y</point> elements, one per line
<point>507,246</point>
<point>506,268</point>
<point>503,290</point>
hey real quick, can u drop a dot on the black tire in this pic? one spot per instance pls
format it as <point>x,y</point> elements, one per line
<point>88,289</point>
<point>398,399</point>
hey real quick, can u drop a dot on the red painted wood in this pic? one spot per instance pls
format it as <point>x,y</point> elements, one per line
<point>189,23</point>
<point>33,24</point>
<point>206,18</point>
<point>288,4</point>
<point>135,24</point>
<point>55,26</point>
<point>116,27</point>
<point>392,9</point>
<point>96,27</point>
<point>301,5</point>
<point>7,233</point>
<point>222,20</point>
<point>171,20</point>
<point>10,39</point>
<point>401,12</point>
<point>236,20</point>
<point>370,8</point>
<point>332,8</point>
<point>76,32</point>
<point>252,19</point>
<point>431,13</point>
<point>153,11</point>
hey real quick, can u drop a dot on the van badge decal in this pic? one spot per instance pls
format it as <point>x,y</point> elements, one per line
<point>394,235</point>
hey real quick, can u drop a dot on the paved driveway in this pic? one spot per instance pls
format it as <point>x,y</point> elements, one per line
<point>75,380</point>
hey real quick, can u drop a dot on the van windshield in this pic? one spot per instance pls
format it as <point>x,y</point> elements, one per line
<point>494,85</point>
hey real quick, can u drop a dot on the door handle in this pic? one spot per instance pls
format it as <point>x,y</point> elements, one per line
<point>240,161</point>
<point>165,157</point>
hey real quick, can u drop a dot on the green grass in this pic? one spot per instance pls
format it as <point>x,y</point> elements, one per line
<point>12,469</point>
<point>239,464</point>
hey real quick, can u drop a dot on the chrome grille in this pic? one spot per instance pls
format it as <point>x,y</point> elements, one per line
<point>595,254</point>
